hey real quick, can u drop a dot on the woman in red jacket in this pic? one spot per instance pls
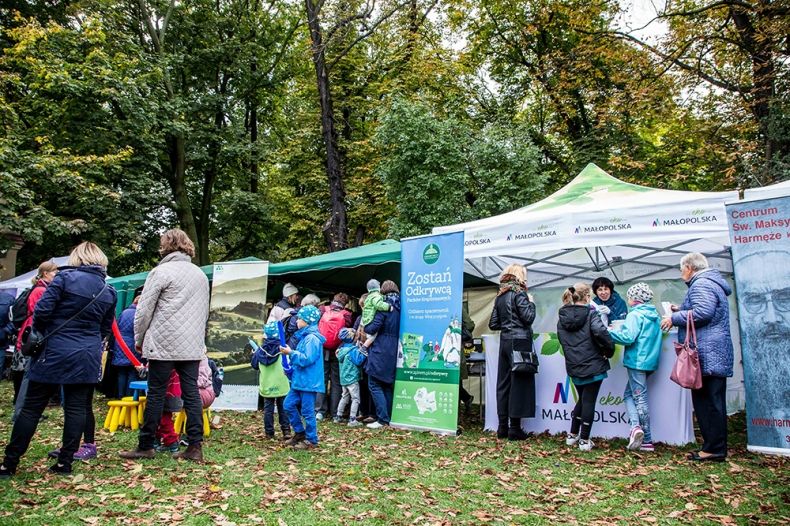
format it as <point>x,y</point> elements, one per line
<point>46,273</point>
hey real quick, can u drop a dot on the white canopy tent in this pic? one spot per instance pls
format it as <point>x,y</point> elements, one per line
<point>17,284</point>
<point>597,226</point>
<point>775,190</point>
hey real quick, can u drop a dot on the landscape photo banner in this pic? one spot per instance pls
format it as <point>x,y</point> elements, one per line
<point>238,311</point>
<point>429,354</point>
<point>760,239</point>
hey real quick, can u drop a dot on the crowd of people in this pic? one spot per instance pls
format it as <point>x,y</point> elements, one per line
<point>322,361</point>
<point>588,329</point>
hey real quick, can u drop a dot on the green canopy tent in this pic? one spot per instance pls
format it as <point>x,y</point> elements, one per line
<point>348,270</point>
<point>126,285</point>
<point>345,270</point>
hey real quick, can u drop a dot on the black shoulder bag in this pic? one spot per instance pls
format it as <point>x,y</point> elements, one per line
<point>33,341</point>
<point>525,361</point>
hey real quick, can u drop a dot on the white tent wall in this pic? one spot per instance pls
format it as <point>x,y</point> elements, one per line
<point>600,226</point>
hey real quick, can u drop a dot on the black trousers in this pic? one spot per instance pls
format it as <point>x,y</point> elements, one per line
<point>158,377</point>
<point>327,405</point>
<point>76,399</point>
<point>584,411</point>
<point>366,406</point>
<point>710,408</point>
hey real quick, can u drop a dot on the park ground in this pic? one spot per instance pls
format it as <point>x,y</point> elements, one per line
<point>390,477</point>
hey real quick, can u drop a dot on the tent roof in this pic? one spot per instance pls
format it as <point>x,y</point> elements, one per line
<point>596,209</point>
<point>23,281</point>
<point>775,190</point>
<point>132,281</point>
<point>349,270</point>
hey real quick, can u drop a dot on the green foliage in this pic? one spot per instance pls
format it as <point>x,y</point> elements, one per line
<point>441,171</point>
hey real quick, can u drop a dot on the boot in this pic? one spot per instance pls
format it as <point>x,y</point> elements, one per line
<point>286,433</point>
<point>305,445</point>
<point>295,439</point>
<point>193,452</point>
<point>138,453</point>
<point>515,432</point>
<point>501,430</point>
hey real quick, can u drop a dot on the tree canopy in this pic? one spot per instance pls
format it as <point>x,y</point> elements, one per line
<point>282,129</point>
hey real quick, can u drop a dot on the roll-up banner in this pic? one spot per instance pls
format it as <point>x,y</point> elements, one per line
<point>760,238</point>
<point>429,354</point>
<point>238,301</point>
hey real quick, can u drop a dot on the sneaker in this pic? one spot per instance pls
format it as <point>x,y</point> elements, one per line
<point>337,420</point>
<point>571,439</point>
<point>635,439</point>
<point>375,425</point>
<point>172,448</point>
<point>355,423</point>
<point>585,445</point>
<point>55,453</point>
<point>647,446</point>
<point>319,416</point>
<point>368,420</point>
<point>6,472</point>
<point>86,452</point>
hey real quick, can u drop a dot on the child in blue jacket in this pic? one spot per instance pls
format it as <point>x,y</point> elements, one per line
<point>641,335</point>
<point>272,383</point>
<point>307,378</point>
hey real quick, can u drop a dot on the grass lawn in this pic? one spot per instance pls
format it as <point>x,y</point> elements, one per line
<point>390,477</point>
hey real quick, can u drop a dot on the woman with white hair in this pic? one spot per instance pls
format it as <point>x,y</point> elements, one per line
<point>706,299</point>
<point>74,315</point>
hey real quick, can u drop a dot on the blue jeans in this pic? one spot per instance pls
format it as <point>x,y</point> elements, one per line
<point>126,374</point>
<point>382,398</point>
<point>304,402</point>
<point>635,397</point>
<point>268,416</point>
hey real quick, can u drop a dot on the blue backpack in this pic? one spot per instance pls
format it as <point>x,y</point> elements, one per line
<point>357,356</point>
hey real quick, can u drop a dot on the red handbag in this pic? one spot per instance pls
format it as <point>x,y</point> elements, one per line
<point>687,371</point>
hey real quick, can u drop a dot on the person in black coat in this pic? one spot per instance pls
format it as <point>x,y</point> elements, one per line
<point>587,347</point>
<point>74,315</point>
<point>513,315</point>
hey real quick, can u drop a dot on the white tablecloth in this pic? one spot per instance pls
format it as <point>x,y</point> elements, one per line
<point>670,405</point>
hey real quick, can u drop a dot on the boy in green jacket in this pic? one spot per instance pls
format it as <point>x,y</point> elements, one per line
<point>272,383</point>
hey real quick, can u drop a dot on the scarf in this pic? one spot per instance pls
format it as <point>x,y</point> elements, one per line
<point>510,282</point>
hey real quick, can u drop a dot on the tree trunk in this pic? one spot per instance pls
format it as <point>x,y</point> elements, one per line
<point>336,227</point>
<point>176,178</point>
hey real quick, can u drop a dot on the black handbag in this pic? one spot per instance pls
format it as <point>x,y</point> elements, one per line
<point>525,361</point>
<point>33,341</point>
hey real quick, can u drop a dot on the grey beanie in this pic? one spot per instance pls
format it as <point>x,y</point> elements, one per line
<point>289,289</point>
<point>373,284</point>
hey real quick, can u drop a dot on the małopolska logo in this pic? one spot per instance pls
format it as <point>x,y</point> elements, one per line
<point>562,392</point>
<point>696,216</point>
<point>540,232</point>
<point>615,224</point>
<point>430,254</point>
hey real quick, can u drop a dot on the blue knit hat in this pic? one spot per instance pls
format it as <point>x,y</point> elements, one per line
<point>270,330</point>
<point>346,335</point>
<point>310,314</point>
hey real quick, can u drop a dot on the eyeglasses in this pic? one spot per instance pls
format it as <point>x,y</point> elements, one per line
<point>756,302</point>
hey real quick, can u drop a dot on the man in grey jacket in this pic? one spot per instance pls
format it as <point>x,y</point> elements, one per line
<point>169,328</point>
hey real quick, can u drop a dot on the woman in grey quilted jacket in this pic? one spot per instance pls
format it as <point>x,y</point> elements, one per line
<point>169,329</point>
